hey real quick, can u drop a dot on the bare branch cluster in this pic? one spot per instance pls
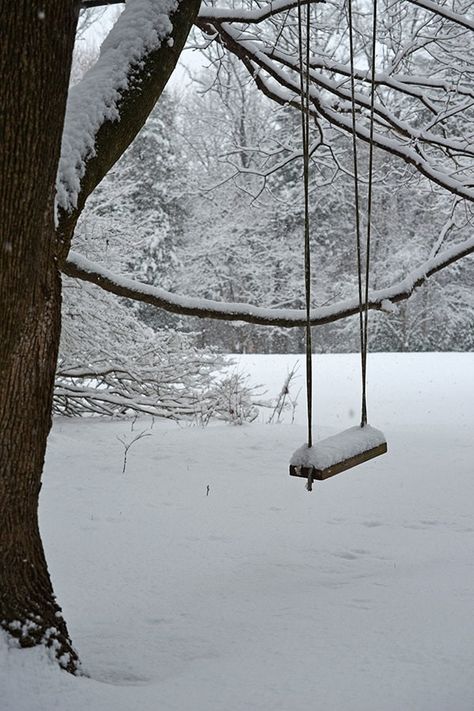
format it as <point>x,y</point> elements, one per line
<point>424,95</point>
<point>185,389</point>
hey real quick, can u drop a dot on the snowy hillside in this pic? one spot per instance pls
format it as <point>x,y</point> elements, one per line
<point>260,596</point>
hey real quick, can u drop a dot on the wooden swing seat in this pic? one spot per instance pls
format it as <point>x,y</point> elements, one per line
<point>335,454</point>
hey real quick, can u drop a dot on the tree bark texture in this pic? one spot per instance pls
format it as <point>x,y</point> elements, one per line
<point>36,44</point>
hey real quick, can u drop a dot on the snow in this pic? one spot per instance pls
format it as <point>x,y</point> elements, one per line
<point>141,28</point>
<point>343,445</point>
<point>259,596</point>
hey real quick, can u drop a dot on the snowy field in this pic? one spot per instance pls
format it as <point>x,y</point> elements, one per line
<point>261,596</point>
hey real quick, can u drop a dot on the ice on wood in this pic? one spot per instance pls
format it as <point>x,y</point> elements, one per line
<point>338,448</point>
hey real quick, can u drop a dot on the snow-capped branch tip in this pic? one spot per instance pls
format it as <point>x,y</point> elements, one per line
<point>207,13</point>
<point>445,12</point>
<point>78,267</point>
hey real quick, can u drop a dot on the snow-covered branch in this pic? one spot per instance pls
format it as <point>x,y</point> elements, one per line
<point>284,94</point>
<point>187,389</point>
<point>423,104</point>
<point>112,102</point>
<point>273,8</point>
<point>86,4</point>
<point>81,268</point>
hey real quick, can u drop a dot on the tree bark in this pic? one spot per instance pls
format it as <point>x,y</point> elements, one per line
<point>37,39</point>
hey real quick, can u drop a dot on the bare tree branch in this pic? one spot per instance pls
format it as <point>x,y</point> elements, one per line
<point>443,11</point>
<point>86,4</point>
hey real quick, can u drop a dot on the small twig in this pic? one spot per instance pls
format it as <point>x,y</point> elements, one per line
<point>281,403</point>
<point>127,444</point>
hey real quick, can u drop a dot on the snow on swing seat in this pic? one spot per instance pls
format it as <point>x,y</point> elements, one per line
<point>335,454</point>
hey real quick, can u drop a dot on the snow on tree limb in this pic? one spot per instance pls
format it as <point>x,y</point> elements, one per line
<point>86,4</point>
<point>402,150</point>
<point>142,49</point>
<point>224,14</point>
<point>79,267</point>
<point>112,102</point>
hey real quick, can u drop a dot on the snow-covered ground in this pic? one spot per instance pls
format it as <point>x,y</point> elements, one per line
<point>261,596</point>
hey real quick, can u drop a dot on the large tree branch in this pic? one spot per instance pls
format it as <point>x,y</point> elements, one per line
<point>224,14</point>
<point>112,102</point>
<point>80,268</point>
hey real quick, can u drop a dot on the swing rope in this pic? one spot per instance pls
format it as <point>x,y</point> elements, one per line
<point>305,117</point>
<point>317,466</point>
<point>363,297</point>
<point>304,57</point>
<point>369,211</point>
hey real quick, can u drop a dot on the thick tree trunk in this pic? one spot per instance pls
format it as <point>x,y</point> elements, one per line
<point>28,609</point>
<point>37,39</point>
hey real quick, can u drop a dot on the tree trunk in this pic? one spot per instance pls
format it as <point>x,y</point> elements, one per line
<point>35,58</point>
<point>28,609</point>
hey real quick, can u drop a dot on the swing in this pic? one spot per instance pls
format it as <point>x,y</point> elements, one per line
<point>335,454</point>
<point>355,445</point>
